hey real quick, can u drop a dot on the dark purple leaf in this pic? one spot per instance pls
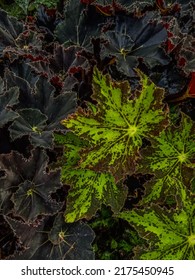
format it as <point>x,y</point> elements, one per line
<point>20,74</point>
<point>134,5</point>
<point>59,64</point>
<point>39,123</point>
<point>30,184</point>
<point>53,107</point>
<point>171,79</point>
<point>10,28</point>
<point>28,45</point>
<point>47,20</point>
<point>187,54</point>
<point>32,122</point>
<point>7,100</point>
<point>54,240</point>
<point>181,46</point>
<point>79,25</point>
<point>8,242</point>
<point>32,199</point>
<point>135,38</point>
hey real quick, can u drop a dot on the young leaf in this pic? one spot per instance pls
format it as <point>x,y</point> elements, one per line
<point>171,157</point>
<point>122,120</point>
<point>54,240</point>
<point>170,234</point>
<point>89,189</point>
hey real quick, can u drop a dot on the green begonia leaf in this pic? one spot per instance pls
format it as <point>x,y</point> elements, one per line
<point>123,119</point>
<point>88,189</point>
<point>170,234</point>
<point>171,157</point>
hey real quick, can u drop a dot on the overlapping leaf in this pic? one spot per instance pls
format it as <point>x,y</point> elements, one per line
<point>171,157</point>
<point>62,62</point>
<point>32,122</point>
<point>187,53</point>
<point>78,27</point>
<point>28,45</point>
<point>54,240</point>
<point>171,79</point>
<point>31,183</point>
<point>129,5</point>
<point>8,242</point>
<point>181,44</point>
<point>116,129</point>
<point>170,234</point>
<point>135,38</point>
<point>8,98</point>
<point>89,189</point>
<point>135,4</point>
<point>40,123</point>
<point>10,28</point>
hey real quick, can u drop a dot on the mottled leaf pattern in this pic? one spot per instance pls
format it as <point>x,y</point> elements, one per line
<point>116,130</point>
<point>88,189</point>
<point>170,234</point>
<point>171,157</point>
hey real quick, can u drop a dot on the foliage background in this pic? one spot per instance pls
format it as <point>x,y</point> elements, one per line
<point>60,61</point>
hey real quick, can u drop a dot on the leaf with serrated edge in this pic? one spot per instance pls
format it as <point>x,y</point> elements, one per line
<point>7,101</point>
<point>170,234</point>
<point>89,189</point>
<point>32,122</point>
<point>53,239</point>
<point>123,119</point>
<point>32,185</point>
<point>170,157</point>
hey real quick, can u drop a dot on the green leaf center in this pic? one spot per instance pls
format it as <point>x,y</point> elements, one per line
<point>182,157</point>
<point>61,235</point>
<point>132,130</point>
<point>191,240</point>
<point>30,192</point>
<point>123,52</point>
<point>36,130</point>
